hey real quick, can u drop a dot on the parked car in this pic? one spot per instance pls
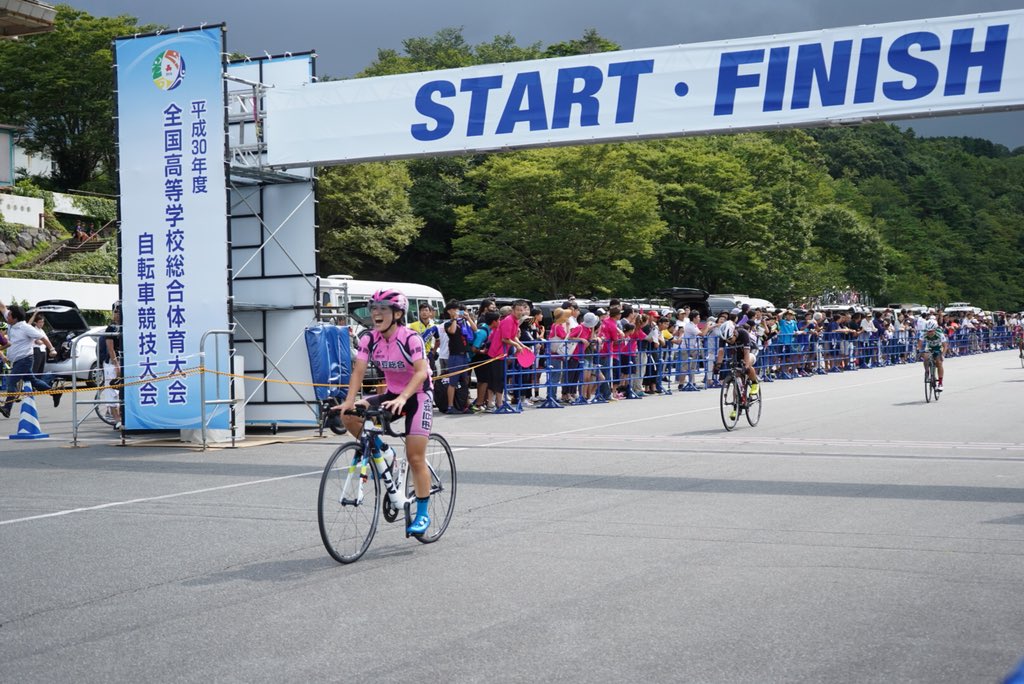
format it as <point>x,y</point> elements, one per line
<point>65,324</point>
<point>911,307</point>
<point>961,309</point>
<point>718,302</point>
<point>473,304</point>
<point>694,298</point>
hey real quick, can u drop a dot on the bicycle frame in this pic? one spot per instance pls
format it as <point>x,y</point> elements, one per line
<point>930,377</point>
<point>740,373</point>
<point>358,470</point>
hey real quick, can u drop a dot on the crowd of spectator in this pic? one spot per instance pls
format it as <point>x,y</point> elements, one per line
<point>623,350</point>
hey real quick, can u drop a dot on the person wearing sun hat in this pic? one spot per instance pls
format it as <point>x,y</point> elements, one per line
<point>582,366</point>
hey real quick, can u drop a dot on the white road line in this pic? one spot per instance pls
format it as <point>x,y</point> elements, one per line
<point>114,504</point>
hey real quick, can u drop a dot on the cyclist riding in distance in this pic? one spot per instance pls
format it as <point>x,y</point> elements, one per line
<point>1017,327</point>
<point>742,343</point>
<point>398,352</point>
<point>725,329</point>
<point>933,342</point>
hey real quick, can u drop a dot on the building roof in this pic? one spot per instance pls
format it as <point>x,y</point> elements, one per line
<point>25,17</point>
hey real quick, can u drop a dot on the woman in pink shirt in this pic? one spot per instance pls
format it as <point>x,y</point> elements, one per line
<point>505,337</point>
<point>581,363</point>
<point>558,350</point>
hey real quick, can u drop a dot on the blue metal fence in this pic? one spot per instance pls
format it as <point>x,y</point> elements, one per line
<point>576,372</point>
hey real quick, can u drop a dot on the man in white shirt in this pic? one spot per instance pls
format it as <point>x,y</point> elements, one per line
<point>23,338</point>
<point>690,350</point>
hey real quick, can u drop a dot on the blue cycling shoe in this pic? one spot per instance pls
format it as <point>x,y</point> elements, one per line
<point>419,525</point>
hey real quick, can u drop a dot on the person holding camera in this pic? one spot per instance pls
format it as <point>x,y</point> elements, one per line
<point>460,328</point>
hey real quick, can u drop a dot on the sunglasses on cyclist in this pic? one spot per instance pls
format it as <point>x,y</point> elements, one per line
<point>380,306</point>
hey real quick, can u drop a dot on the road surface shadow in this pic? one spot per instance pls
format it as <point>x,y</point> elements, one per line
<point>848,490</point>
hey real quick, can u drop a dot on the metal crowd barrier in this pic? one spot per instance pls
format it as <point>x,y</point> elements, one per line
<point>589,375</point>
<point>77,400</point>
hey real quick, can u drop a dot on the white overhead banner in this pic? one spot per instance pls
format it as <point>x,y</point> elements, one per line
<point>887,71</point>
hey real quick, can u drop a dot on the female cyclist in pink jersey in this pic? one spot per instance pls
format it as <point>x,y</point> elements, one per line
<point>398,352</point>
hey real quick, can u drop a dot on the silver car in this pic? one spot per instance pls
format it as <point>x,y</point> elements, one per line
<point>65,324</point>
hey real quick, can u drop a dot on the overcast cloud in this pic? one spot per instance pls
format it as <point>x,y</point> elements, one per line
<point>347,35</point>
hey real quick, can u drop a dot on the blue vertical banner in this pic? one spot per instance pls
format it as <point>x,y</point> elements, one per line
<point>171,109</point>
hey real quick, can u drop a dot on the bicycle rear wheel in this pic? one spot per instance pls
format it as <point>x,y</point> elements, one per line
<point>443,481</point>
<point>753,409</point>
<point>730,402</point>
<point>348,507</point>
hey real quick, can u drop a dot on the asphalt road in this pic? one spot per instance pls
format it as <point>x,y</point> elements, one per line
<point>857,534</point>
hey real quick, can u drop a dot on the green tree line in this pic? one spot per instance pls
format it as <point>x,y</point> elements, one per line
<point>784,215</point>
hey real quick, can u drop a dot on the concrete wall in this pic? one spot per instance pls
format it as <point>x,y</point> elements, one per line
<point>24,211</point>
<point>65,204</point>
<point>95,296</point>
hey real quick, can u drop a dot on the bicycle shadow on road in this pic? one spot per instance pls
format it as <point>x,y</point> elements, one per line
<point>290,570</point>
<point>267,571</point>
<point>692,433</point>
<point>911,403</point>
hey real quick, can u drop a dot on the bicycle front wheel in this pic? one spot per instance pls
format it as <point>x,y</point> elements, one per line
<point>105,411</point>
<point>730,402</point>
<point>753,410</point>
<point>443,480</point>
<point>349,504</point>
<point>927,383</point>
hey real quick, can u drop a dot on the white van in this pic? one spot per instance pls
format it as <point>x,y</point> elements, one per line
<point>961,309</point>
<point>342,294</point>
<point>752,302</point>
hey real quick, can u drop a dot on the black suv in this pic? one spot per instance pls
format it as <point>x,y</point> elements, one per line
<point>692,297</point>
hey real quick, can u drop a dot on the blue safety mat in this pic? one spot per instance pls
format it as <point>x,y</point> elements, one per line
<point>330,359</point>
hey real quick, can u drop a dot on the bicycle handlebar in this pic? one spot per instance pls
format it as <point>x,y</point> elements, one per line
<point>382,415</point>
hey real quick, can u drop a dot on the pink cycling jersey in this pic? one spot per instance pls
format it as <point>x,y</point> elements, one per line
<point>395,357</point>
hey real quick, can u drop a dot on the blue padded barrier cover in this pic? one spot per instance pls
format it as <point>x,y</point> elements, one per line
<point>330,359</point>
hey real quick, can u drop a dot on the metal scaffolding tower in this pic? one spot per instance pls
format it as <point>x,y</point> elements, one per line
<point>272,238</point>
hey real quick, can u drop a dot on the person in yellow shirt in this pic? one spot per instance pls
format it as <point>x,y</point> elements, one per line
<point>664,363</point>
<point>426,327</point>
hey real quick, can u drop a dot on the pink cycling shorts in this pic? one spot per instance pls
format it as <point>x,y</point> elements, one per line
<point>419,411</point>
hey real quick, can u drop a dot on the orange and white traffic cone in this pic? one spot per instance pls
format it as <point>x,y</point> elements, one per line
<point>28,424</point>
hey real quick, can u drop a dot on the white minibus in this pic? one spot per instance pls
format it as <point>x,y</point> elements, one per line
<point>343,294</point>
